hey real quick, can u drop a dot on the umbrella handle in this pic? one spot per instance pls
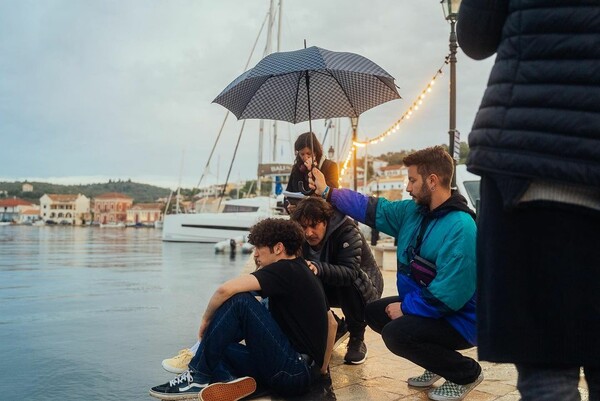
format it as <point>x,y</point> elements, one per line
<point>304,191</point>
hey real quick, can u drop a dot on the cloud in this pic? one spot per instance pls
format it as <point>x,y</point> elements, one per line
<point>118,88</point>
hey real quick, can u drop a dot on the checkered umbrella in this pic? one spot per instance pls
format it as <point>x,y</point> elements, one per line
<point>308,84</point>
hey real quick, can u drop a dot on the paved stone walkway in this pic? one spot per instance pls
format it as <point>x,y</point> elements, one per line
<point>383,376</point>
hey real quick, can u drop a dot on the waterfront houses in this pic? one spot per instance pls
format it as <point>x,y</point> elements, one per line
<point>65,209</point>
<point>145,213</point>
<point>29,216</point>
<point>11,208</point>
<point>111,207</point>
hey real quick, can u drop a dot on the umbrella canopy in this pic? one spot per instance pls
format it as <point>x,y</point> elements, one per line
<point>307,84</point>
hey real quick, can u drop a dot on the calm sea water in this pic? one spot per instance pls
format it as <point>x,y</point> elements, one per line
<point>89,313</point>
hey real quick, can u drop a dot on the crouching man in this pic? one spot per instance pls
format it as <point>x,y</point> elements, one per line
<point>341,258</point>
<point>285,348</point>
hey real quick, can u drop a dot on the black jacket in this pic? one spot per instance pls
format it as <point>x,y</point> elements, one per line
<point>540,114</point>
<point>299,173</point>
<point>346,259</point>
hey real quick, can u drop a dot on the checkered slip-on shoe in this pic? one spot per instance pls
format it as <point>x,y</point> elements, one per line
<point>229,391</point>
<point>425,380</point>
<point>453,392</point>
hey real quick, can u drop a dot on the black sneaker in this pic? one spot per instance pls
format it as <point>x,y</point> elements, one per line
<point>342,332</point>
<point>185,385</point>
<point>357,351</point>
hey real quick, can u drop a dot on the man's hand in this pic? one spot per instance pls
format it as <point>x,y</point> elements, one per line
<point>316,181</point>
<point>394,311</point>
<point>312,267</point>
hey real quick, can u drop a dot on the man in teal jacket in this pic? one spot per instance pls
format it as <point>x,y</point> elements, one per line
<point>433,315</point>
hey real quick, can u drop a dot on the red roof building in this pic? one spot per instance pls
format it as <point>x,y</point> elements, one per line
<point>111,207</point>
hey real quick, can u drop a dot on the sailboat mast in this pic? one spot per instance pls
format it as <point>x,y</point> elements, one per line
<point>177,210</point>
<point>278,49</point>
<point>261,129</point>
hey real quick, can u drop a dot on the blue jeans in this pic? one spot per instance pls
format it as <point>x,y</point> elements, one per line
<point>550,384</point>
<point>267,355</point>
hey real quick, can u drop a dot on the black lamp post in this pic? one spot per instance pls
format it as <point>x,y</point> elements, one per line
<point>354,122</point>
<point>451,8</point>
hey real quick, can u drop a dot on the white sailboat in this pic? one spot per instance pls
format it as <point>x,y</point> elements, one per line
<point>234,221</point>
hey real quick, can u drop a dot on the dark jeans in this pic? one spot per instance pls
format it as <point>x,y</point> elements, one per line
<point>541,383</point>
<point>267,355</point>
<point>350,301</point>
<point>429,343</point>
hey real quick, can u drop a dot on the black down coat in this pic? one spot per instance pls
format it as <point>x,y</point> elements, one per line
<point>539,122</point>
<point>346,259</point>
<point>540,114</point>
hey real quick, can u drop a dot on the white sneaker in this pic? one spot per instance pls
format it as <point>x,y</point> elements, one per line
<point>425,380</point>
<point>453,392</point>
<point>179,363</point>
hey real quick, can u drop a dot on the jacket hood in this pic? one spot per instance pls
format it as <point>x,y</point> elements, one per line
<point>455,202</point>
<point>334,223</point>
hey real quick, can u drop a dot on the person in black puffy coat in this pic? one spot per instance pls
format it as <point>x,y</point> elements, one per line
<point>340,256</point>
<point>536,143</point>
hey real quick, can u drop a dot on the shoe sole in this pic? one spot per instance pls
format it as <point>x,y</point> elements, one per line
<point>347,362</point>
<point>171,369</point>
<point>166,396</point>
<point>230,391</point>
<point>423,384</point>
<point>341,340</point>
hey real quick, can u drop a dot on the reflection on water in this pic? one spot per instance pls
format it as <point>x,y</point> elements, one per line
<point>89,313</point>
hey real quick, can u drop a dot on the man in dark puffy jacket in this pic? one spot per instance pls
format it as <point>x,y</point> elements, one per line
<point>340,256</point>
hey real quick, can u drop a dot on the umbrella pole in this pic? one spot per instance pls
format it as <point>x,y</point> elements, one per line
<point>312,145</point>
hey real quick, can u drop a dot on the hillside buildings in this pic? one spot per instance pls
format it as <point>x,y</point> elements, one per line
<point>11,208</point>
<point>145,213</point>
<point>111,207</point>
<point>65,209</point>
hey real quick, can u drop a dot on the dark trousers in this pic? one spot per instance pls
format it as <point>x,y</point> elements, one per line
<point>429,343</point>
<point>542,383</point>
<point>268,356</point>
<point>350,301</point>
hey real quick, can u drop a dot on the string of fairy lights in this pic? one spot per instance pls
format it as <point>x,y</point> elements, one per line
<point>415,106</point>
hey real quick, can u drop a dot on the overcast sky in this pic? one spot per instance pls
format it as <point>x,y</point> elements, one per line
<point>92,90</point>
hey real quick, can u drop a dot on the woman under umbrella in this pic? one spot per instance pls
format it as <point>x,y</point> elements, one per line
<point>304,147</point>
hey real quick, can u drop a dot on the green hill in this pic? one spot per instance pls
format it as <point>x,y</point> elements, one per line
<point>139,192</point>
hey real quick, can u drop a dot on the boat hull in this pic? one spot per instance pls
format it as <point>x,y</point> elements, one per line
<point>209,227</point>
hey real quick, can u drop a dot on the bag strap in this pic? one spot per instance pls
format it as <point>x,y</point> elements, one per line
<point>424,224</point>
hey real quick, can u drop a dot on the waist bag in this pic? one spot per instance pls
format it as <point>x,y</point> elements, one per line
<point>422,270</point>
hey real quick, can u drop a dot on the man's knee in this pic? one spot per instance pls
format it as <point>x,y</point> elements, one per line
<point>396,338</point>
<point>240,298</point>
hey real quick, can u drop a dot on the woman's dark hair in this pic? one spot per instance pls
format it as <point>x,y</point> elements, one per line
<point>269,232</point>
<point>304,141</point>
